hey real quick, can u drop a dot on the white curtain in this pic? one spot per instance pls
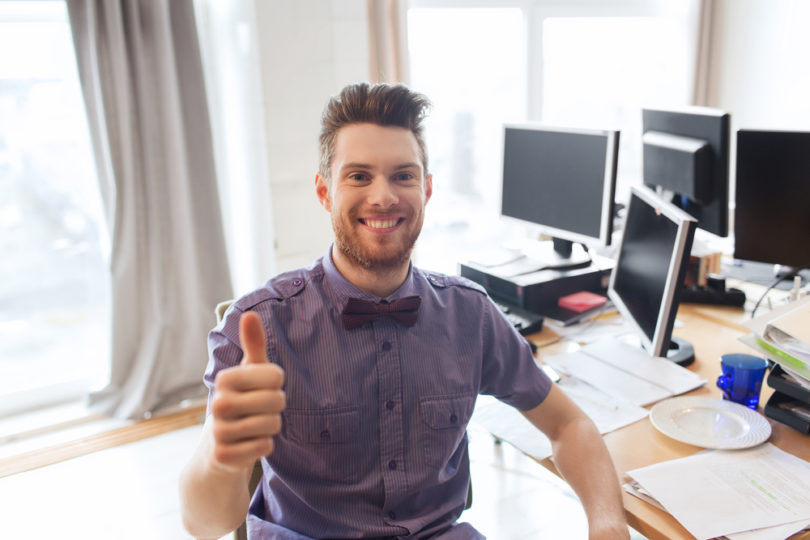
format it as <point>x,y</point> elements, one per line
<point>388,40</point>
<point>141,74</point>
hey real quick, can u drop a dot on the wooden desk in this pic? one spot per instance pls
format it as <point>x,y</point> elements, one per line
<point>713,332</point>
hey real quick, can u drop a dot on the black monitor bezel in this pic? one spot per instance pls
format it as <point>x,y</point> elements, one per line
<point>714,127</point>
<point>611,138</point>
<point>659,343</point>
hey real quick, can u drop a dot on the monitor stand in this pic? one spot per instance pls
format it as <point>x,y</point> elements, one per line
<point>680,351</point>
<point>555,254</point>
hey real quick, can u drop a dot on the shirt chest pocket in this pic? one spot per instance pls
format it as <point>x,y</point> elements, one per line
<point>323,442</point>
<point>444,425</point>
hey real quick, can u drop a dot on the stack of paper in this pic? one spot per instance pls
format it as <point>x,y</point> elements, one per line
<point>625,372</point>
<point>760,493</point>
<point>783,335</point>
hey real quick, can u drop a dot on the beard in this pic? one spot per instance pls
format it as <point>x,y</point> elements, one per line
<point>389,254</point>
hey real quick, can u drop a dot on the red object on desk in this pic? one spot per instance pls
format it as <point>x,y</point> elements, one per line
<point>581,301</point>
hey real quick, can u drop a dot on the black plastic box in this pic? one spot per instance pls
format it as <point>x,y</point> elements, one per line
<point>797,417</point>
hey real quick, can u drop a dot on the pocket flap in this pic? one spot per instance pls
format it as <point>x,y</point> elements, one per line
<point>447,412</point>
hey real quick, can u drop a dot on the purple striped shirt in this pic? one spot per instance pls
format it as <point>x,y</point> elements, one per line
<point>374,442</point>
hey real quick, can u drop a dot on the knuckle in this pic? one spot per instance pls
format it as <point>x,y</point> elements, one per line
<point>221,432</point>
<point>267,447</point>
<point>274,424</point>
<point>221,406</point>
<point>278,374</point>
<point>282,400</point>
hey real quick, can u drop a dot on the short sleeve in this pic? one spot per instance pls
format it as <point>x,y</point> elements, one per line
<point>510,372</point>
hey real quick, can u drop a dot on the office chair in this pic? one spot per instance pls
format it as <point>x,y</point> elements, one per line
<point>256,475</point>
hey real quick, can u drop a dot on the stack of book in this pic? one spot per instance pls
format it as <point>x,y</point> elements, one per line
<point>700,265</point>
<point>783,336</point>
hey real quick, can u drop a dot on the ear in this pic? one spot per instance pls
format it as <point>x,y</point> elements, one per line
<point>322,191</point>
<point>428,187</point>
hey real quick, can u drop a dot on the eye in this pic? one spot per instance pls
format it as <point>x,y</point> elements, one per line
<point>358,177</point>
<point>404,176</point>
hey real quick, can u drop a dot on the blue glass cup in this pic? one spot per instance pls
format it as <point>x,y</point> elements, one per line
<point>742,377</point>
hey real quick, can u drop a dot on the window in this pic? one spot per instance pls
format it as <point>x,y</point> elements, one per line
<point>54,284</point>
<point>475,85</point>
<point>582,63</point>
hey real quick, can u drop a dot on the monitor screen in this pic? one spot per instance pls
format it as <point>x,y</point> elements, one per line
<point>651,262</point>
<point>562,180</point>
<point>686,158</point>
<point>772,206</point>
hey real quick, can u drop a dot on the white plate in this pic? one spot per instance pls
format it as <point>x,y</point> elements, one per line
<point>710,422</point>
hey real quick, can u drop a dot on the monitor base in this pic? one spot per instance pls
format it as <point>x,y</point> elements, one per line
<point>554,255</point>
<point>680,351</point>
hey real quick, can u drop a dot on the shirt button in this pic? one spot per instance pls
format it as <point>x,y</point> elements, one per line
<point>297,282</point>
<point>325,435</point>
<point>392,465</point>
<point>386,345</point>
<point>453,418</point>
<point>389,404</point>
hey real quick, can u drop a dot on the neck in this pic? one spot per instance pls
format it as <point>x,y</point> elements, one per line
<point>381,282</point>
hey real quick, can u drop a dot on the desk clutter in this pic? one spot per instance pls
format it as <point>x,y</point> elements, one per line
<point>783,336</point>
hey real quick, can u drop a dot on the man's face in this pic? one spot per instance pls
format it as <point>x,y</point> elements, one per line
<point>376,196</point>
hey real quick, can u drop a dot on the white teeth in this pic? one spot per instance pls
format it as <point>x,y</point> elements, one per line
<point>381,223</point>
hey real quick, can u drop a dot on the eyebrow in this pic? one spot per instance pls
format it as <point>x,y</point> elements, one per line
<point>366,166</point>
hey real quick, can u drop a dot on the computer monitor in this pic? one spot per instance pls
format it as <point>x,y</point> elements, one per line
<point>651,263</point>
<point>561,180</point>
<point>686,159</point>
<point>772,206</point>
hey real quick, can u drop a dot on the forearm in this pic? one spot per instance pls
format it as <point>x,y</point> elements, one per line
<point>583,460</point>
<point>214,501</point>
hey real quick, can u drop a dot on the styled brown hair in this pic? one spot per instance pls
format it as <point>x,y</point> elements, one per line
<point>382,104</point>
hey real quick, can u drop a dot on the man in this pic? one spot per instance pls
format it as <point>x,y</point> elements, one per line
<point>381,362</point>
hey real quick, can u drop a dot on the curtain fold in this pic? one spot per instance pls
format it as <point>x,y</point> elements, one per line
<point>141,74</point>
<point>388,40</point>
<point>705,19</point>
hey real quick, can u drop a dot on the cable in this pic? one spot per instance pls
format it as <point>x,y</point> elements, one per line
<point>777,281</point>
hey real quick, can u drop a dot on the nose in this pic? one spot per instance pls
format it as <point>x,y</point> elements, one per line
<point>382,192</point>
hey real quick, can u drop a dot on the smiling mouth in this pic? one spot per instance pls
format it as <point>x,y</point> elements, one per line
<point>381,223</point>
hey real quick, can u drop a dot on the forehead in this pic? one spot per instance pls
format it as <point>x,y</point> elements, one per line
<point>375,145</point>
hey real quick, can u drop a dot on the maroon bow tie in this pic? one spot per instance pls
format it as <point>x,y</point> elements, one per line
<point>358,312</point>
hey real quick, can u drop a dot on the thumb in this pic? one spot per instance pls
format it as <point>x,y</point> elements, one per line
<point>252,339</point>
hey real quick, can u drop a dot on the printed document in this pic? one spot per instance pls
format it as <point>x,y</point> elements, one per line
<point>722,492</point>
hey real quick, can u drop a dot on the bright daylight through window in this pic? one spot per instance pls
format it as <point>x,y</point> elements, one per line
<point>54,285</point>
<point>585,64</point>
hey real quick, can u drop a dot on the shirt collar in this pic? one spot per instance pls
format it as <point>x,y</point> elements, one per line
<point>346,289</point>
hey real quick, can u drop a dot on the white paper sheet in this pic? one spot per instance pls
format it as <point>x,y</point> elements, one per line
<point>722,492</point>
<point>510,425</point>
<point>626,373</point>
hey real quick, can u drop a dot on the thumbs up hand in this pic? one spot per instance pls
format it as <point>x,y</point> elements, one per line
<point>247,402</point>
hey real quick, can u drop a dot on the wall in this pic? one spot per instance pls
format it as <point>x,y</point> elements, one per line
<point>308,50</point>
<point>760,59</point>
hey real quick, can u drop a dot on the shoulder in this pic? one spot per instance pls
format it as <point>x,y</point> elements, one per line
<point>441,281</point>
<point>280,288</point>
